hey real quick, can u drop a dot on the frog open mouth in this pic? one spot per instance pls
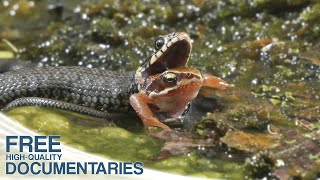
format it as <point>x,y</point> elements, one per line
<point>173,54</point>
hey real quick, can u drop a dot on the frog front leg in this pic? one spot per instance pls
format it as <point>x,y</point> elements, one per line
<point>141,104</point>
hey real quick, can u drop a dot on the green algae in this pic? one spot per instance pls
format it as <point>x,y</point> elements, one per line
<point>267,49</point>
<point>89,134</point>
<point>191,164</point>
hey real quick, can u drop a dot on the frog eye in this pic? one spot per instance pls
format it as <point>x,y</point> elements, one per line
<point>186,109</point>
<point>169,78</point>
<point>159,43</point>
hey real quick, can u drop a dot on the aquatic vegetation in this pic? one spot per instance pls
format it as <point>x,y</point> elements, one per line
<point>267,126</point>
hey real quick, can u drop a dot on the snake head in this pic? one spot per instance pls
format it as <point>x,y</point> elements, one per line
<point>171,51</point>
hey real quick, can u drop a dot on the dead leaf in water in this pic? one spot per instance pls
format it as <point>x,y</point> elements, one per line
<point>311,56</point>
<point>178,143</point>
<point>252,142</point>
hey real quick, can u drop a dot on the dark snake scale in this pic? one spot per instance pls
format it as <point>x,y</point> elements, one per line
<point>97,92</point>
<point>89,91</point>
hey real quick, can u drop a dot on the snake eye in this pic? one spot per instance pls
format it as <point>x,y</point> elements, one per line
<point>159,43</point>
<point>169,79</point>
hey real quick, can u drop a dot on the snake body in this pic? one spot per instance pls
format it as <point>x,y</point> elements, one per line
<point>91,91</point>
